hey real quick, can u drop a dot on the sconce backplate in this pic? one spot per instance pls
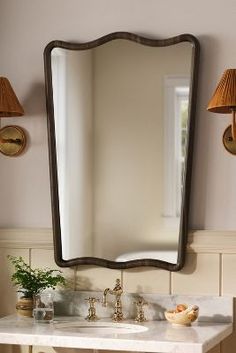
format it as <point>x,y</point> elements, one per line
<point>228,141</point>
<point>12,140</point>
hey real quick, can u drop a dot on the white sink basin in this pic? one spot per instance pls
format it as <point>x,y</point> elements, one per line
<point>99,327</point>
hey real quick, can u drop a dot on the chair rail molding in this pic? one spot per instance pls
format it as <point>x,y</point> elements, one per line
<point>199,241</point>
<point>212,241</point>
<point>26,238</point>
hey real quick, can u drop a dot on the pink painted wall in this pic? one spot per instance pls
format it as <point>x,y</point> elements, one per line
<point>26,26</point>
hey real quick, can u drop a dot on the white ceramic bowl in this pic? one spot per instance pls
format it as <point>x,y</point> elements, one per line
<point>183,318</point>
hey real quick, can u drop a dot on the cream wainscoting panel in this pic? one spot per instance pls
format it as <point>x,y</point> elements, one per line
<point>8,294</point>
<point>210,269</point>
<point>200,275</point>
<point>95,278</point>
<point>229,274</point>
<point>45,258</point>
<point>146,280</point>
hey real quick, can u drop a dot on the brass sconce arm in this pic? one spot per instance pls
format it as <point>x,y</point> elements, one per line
<point>233,126</point>
<point>16,141</point>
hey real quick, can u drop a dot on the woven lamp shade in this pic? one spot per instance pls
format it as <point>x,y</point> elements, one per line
<point>224,98</point>
<point>9,104</point>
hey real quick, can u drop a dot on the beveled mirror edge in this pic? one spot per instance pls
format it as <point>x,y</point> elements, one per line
<point>183,233</point>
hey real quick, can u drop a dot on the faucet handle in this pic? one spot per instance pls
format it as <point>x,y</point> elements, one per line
<point>92,310</point>
<point>140,312</point>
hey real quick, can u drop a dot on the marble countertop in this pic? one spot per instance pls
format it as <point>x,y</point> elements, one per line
<point>160,336</point>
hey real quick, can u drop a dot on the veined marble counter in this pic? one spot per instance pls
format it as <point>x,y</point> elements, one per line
<point>160,337</point>
<point>214,325</point>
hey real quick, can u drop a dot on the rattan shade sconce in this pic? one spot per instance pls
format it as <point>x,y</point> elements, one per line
<point>12,137</point>
<point>223,101</point>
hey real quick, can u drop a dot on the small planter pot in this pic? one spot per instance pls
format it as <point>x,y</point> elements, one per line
<point>24,307</point>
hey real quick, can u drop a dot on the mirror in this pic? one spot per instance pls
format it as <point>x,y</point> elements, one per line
<point>121,127</point>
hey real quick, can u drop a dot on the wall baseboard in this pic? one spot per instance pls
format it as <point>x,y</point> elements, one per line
<point>200,241</point>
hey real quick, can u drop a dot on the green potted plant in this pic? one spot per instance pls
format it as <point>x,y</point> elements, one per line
<point>31,282</point>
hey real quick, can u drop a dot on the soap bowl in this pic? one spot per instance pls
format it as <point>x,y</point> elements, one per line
<point>182,315</point>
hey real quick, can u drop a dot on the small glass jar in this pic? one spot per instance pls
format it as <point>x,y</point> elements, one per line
<point>43,311</point>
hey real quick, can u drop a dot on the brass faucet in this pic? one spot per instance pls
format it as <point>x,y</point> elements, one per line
<point>117,291</point>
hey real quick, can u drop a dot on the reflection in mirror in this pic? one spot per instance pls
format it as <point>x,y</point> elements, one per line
<point>121,120</point>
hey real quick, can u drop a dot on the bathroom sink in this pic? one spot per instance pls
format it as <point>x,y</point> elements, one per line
<point>99,328</point>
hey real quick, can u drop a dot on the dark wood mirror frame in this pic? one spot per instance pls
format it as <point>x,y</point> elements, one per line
<point>183,230</point>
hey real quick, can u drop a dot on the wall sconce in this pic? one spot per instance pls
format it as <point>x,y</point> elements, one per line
<point>12,137</point>
<point>223,101</point>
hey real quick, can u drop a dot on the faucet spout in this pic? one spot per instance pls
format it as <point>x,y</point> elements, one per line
<point>104,297</point>
<point>117,291</point>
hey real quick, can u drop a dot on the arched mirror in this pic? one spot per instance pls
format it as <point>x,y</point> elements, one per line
<point>121,127</point>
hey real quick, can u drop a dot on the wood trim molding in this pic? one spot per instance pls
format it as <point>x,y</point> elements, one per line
<point>199,241</point>
<point>212,241</point>
<point>26,238</point>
